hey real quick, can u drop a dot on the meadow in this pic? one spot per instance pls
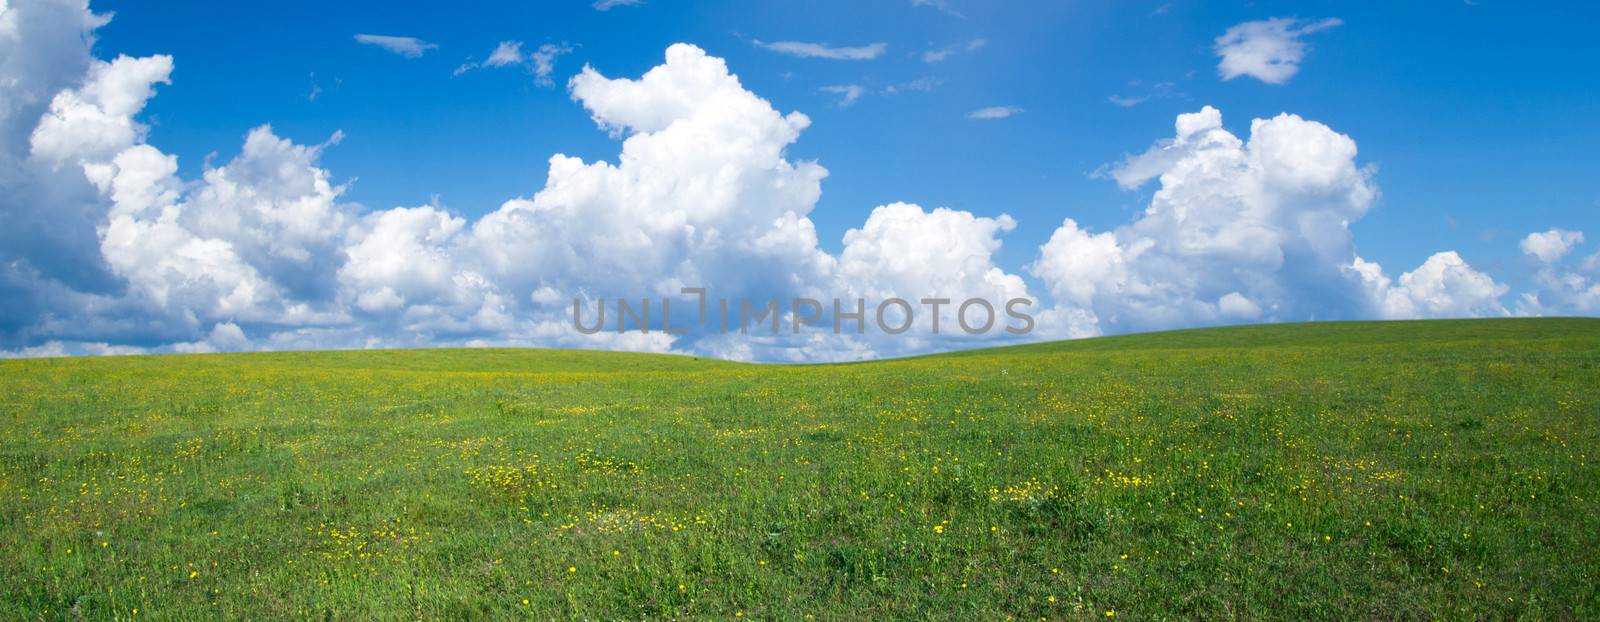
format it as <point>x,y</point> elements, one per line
<point>1371,470</point>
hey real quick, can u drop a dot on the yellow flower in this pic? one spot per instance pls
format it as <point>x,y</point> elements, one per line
<point>524,601</point>
<point>572,568</point>
<point>1110,613</point>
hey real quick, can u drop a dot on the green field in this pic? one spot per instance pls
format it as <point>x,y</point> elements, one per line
<point>1400,470</point>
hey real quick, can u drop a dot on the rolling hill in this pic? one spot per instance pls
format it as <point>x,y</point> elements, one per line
<point>1383,470</point>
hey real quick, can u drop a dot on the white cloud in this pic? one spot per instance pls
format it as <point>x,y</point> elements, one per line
<point>224,337</point>
<point>905,251</point>
<point>848,93</point>
<point>607,5</point>
<point>110,250</point>
<point>402,257</point>
<point>507,53</point>
<point>1550,246</point>
<point>1269,50</point>
<point>145,242</point>
<point>52,349</point>
<point>1234,305</point>
<point>1152,91</point>
<point>923,84</point>
<point>544,61</point>
<point>1560,289</point>
<point>823,50</point>
<point>95,121</point>
<point>994,112</point>
<point>701,194</point>
<point>1443,286</point>
<point>1238,230</point>
<point>940,54</point>
<point>541,62</point>
<point>943,6</point>
<point>409,47</point>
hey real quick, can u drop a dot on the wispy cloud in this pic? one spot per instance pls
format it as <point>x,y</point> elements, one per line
<point>1158,90</point>
<point>540,62</point>
<point>848,93</point>
<point>1269,50</point>
<point>923,84</point>
<point>507,53</point>
<point>607,5</point>
<point>822,50</point>
<point>544,61</point>
<point>938,55</point>
<point>994,112</point>
<point>943,6</point>
<point>409,47</point>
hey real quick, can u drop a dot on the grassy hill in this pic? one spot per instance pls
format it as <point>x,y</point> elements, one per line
<point>1324,471</point>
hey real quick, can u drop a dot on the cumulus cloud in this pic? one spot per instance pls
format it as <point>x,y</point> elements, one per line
<point>1443,286</point>
<point>259,252</point>
<point>1268,50</point>
<point>940,262</point>
<point>224,337</point>
<point>108,250</point>
<point>1560,287</point>
<point>905,251</point>
<point>409,47</point>
<point>994,112</point>
<point>95,121</point>
<point>823,50</point>
<point>1246,230</point>
<point>1552,245</point>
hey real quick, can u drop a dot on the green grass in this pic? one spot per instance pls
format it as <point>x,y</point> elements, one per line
<point>1411,470</point>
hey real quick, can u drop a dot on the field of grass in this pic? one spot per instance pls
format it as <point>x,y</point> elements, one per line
<point>1410,470</point>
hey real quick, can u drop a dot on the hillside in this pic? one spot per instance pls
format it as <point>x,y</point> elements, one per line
<point>1306,471</point>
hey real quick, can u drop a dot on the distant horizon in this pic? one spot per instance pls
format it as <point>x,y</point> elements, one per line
<point>966,350</point>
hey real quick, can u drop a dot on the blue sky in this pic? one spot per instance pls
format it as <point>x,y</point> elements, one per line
<point>1474,120</point>
<point>1480,116</point>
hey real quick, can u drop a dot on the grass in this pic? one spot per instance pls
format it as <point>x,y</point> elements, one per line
<point>1412,470</point>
